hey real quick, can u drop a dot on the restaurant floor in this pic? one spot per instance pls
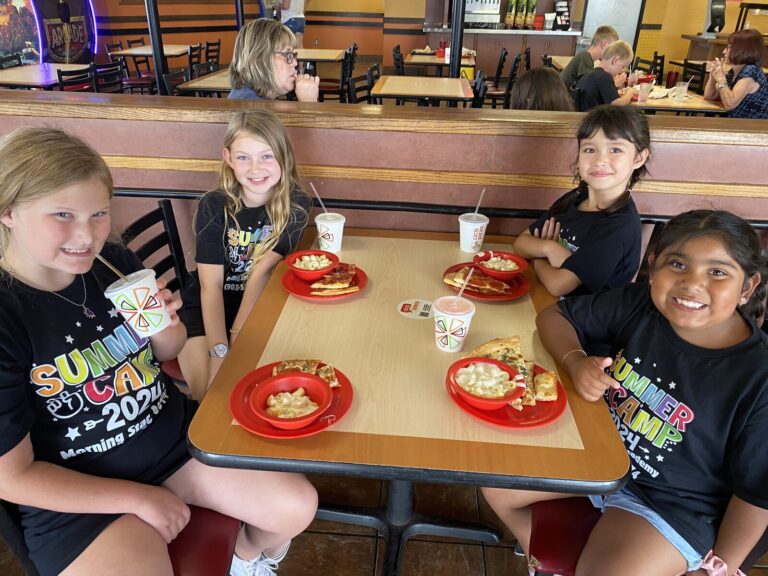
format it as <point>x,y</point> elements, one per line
<point>332,549</point>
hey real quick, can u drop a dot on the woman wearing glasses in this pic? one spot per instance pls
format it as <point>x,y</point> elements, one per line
<point>264,66</point>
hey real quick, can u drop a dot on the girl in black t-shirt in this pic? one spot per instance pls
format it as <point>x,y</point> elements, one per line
<point>92,435</point>
<point>686,383</point>
<point>249,223</point>
<point>590,238</point>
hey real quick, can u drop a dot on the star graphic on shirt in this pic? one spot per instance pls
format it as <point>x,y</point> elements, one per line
<point>78,324</point>
<point>113,313</point>
<point>658,379</point>
<point>86,409</point>
<point>69,339</point>
<point>647,457</point>
<point>672,385</point>
<point>654,364</point>
<point>99,328</point>
<point>72,433</point>
<point>660,458</point>
<point>637,360</point>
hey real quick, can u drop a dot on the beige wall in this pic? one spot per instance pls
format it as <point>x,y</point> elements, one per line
<point>375,6</point>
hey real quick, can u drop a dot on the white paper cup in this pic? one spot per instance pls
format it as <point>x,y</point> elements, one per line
<point>330,229</point>
<point>136,299</point>
<point>472,231</point>
<point>448,54</point>
<point>644,92</point>
<point>453,316</point>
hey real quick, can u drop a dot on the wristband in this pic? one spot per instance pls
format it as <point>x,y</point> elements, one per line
<point>722,84</point>
<point>565,356</point>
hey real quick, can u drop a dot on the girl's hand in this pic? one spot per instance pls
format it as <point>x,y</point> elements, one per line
<point>171,301</point>
<point>307,87</point>
<point>550,230</point>
<point>589,377</point>
<point>163,510</point>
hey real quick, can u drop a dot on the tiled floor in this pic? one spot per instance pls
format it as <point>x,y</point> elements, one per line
<point>332,549</point>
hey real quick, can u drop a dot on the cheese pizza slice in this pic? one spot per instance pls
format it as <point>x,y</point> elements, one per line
<point>327,373</point>
<point>308,366</point>
<point>478,282</point>
<point>546,386</point>
<point>507,350</point>
<point>529,396</point>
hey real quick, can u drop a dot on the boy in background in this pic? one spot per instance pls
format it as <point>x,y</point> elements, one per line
<point>599,86</point>
<point>584,61</point>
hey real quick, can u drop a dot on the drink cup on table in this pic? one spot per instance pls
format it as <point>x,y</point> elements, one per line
<point>472,231</point>
<point>135,297</point>
<point>330,229</point>
<point>644,92</point>
<point>453,315</point>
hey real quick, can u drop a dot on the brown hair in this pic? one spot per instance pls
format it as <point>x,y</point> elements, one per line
<point>255,47</point>
<point>36,162</point>
<point>746,47</point>
<point>540,89</point>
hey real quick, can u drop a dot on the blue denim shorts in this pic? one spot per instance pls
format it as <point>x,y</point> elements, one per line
<point>624,499</point>
<point>296,25</point>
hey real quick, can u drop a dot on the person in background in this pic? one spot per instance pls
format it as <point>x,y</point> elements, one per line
<point>540,89</point>
<point>743,90</point>
<point>590,238</point>
<point>93,445</point>
<point>584,61</point>
<point>599,86</point>
<point>264,65</point>
<point>686,382</point>
<point>292,16</point>
<point>243,228</point>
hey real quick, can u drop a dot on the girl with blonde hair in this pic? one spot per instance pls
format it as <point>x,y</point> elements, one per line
<point>251,221</point>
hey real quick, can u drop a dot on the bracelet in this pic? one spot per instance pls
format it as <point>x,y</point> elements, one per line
<point>562,361</point>
<point>722,84</point>
<point>234,331</point>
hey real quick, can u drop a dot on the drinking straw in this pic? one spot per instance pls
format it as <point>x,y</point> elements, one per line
<point>466,281</point>
<point>318,197</point>
<point>480,200</point>
<point>108,265</point>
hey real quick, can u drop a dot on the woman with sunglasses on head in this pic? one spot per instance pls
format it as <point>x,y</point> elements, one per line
<point>264,65</point>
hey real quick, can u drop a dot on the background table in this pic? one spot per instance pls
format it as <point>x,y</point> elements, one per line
<point>169,51</point>
<point>450,89</point>
<point>402,425</point>
<point>560,62</point>
<point>36,75</point>
<point>694,104</point>
<point>437,62</point>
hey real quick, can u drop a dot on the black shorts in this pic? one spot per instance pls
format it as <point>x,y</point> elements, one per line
<point>56,539</point>
<point>191,311</point>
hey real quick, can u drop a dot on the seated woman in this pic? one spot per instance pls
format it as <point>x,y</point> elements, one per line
<point>743,90</point>
<point>264,65</point>
<point>540,89</point>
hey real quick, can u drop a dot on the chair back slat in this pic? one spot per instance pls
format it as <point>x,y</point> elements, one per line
<point>10,61</point>
<point>213,51</point>
<point>76,80</point>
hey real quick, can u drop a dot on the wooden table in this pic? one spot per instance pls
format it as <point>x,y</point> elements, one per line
<point>319,55</point>
<point>560,62</point>
<point>169,51</point>
<point>438,63</point>
<point>450,89</point>
<point>681,64</point>
<point>217,82</point>
<point>693,105</point>
<point>36,75</point>
<point>402,426</point>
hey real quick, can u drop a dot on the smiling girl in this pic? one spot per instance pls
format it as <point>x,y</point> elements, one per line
<point>686,382</point>
<point>251,221</point>
<point>590,238</point>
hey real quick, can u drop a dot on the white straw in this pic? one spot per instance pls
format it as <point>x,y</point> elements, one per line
<point>480,200</point>
<point>318,197</point>
<point>466,281</point>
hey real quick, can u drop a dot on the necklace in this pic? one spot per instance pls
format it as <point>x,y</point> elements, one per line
<point>86,311</point>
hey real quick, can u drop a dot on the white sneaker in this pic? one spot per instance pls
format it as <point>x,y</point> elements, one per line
<point>261,566</point>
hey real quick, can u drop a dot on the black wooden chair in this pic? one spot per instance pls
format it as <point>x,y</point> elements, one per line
<point>194,55</point>
<point>76,80</point>
<point>654,66</point>
<point>141,63</point>
<point>359,87</point>
<point>10,61</point>
<point>173,79</point>
<point>479,90</point>
<point>131,84</point>
<point>501,93</point>
<point>546,60</point>
<point>527,58</point>
<point>495,82</point>
<point>696,74</point>
<point>398,61</point>
<point>338,90</point>
<point>108,77</point>
<point>213,51</point>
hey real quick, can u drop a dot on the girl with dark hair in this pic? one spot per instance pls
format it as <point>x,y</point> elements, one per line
<point>743,90</point>
<point>686,382</point>
<point>541,89</point>
<point>590,238</point>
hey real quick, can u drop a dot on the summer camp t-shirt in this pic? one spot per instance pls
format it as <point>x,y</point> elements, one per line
<point>605,247</point>
<point>693,420</point>
<point>595,88</point>
<point>88,390</point>
<point>220,242</point>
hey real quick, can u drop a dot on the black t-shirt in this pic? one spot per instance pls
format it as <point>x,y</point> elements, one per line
<point>605,247</point>
<point>694,421</point>
<point>87,390</point>
<point>595,88</point>
<point>219,242</point>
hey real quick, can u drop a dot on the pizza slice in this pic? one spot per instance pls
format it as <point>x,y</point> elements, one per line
<point>335,291</point>
<point>507,350</point>
<point>327,373</point>
<point>478,282</point>
<point>340,278</point>
<point>308,366</point>
<point>529,396</point>
<point>546,386</point>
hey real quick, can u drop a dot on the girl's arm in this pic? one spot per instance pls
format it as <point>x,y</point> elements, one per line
<point>561,341</point>
<point>557,281</point>
<point>27,481</point>
<point>253,288</point>
<point>212,304</point>
<point>168,343</point>
<point>742,527</point>
<point>542,244</point>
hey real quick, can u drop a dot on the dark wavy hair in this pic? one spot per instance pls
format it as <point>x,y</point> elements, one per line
<point>738,237</point>
<point>616,122</point>
<point>746,47</point>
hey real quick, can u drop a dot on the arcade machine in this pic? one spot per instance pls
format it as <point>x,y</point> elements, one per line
<point>48,30</point>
